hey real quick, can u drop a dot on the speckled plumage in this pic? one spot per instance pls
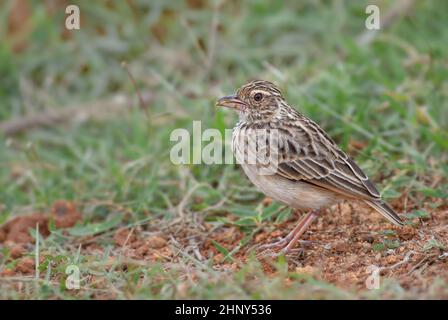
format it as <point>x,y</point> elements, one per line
<point>311,171</point>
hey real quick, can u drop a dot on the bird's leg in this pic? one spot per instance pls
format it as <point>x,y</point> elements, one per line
<point>288,242</point>
<point>283,241</point>
<point>305,223</point>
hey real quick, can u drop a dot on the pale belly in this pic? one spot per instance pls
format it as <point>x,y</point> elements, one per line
<point>296,194</point>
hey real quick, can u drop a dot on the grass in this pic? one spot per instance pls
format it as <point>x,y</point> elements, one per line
<point>389,96</point>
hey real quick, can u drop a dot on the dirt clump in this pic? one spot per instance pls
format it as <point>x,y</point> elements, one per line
<point>155,242</point>
<point>64,214</point>
<point>124,236</point>
<point>17,229</point>
<point>25,266</point>
<point>131,243</point>
<point>16,250</point>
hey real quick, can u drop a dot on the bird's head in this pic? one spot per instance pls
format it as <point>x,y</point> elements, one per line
<point>255,100</point>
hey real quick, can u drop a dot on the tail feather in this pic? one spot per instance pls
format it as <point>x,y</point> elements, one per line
<point>389,213</point>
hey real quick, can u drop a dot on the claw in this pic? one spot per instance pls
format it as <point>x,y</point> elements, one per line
<point>279,244</point>
<point>283,252</point>
<point>285,245</point>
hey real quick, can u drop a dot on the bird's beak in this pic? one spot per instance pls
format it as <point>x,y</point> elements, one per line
<point>231,102</point>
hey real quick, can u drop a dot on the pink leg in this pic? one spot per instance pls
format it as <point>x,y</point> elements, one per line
<point>291,239</point>
<point>307,221</point>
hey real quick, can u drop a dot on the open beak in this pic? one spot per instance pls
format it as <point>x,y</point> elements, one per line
<point>231,102</point>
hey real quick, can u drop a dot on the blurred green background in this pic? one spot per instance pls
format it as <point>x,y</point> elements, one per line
<point>385,102</point>
<point>390,95</point>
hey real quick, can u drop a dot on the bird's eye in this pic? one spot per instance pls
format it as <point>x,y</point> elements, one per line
<point>258,96</point>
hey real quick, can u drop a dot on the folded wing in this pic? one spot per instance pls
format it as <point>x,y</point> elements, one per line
<point>307,153</point>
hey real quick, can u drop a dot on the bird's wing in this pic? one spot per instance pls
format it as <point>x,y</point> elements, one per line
<point>304,152</point>
<point>308,154</point>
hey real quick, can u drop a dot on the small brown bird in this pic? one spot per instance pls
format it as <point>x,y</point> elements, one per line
<point>292,160</point>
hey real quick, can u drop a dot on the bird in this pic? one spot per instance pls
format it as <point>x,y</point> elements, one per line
<point>291,159</point>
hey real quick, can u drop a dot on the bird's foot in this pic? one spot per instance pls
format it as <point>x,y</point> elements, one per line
<point>281,244</point>
<point>280,247</point>
<point>275,246</point>
<point>269,253</point>
<point>286,244</point>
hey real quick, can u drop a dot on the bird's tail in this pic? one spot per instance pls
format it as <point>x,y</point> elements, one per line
<point>389,213</point>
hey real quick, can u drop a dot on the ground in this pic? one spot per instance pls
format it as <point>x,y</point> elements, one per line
<point>334,258</point>
<point>85,173</point>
